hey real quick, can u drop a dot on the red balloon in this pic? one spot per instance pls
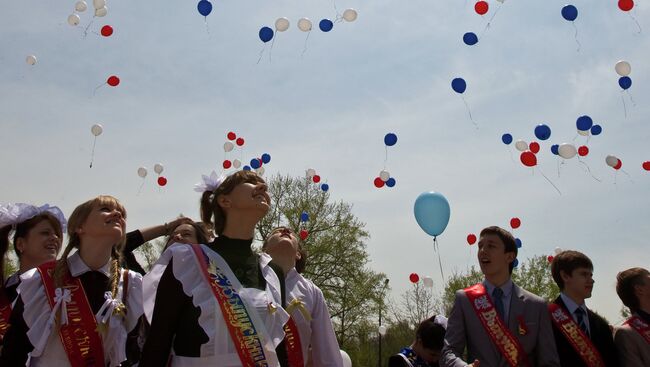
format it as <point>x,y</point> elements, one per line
<point>646,165</point>
<point>528,158</point>
<point>162,181</point>
<point>113,81</point>
<point>240,141</point>
<point>471,239</point>
<point>515,223</point>
<point>625,5</point>
<point>107,30</point>
<point>316,178</point>
<point>231,136</point>
<point>414,278</point>
<point>550,258</point>
<point>379,182</point>
<point>227,164</point>
<point>618,165</point>
<point>481,7</point>
<point>583,151</point>
<point>534,147</point>
<point>304,234</point>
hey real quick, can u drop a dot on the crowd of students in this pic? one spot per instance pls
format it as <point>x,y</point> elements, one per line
<point>211,300</point>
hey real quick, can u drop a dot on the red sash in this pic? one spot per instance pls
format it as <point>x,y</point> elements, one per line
<point>80,337</point>
<point>241,327</point>
<point>578,340</point>
<point>640,326</point>
<point>292,340</point>
<point>507,344</point>
<point>5,312</point>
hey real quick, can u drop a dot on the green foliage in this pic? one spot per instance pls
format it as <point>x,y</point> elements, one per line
<point>10,261</point>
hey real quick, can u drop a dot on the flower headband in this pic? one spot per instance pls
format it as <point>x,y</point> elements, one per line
<point>14,214</point>
<point>209,183</point>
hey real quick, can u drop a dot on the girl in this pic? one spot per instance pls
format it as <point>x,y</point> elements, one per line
<point>425,350</point>
<point>85,298</point>
<point>218,304</point>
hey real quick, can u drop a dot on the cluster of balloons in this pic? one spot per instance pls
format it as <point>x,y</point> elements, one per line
<point>158,168</point>
<point>303,233</point>
<point>282,24</point>
<point>623,69</point>
<point>228,146</point>
<point>514,224</point>
<point>384,178</point>
<point>427,281</point>
<point>81,6</point>
<point>614,162</point>
<point>528,151</point>
<point>257,163</point>
<point>312,176</point>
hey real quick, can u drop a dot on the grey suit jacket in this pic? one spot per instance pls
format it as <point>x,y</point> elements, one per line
<point>633,350</point>
<point>464,329</point>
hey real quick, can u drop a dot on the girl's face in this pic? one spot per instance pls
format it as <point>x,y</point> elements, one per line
<point>185,233</point>
<point>249,197</point>
<point>282,244</point>
<point>104,222</point>
<point>40,245</point>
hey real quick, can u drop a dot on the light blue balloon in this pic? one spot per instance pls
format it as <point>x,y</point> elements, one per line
<point>432,212</point>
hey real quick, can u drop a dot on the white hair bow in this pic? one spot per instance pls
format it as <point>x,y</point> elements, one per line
<point>13,214</point>
<point>210,183</point>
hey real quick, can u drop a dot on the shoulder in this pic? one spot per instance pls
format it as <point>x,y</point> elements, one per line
<point>529,297</point>
<point>396,361</point>
<point>623,332</point>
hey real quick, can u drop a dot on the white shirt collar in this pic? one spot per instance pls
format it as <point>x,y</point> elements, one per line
<point>78,267</point>
<point>571,305</point>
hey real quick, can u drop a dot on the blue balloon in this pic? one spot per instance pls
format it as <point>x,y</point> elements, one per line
<point>204,7</point>
<point>625,82</point>
<point>390,139</point>
<point>596,130</point>
<point>458,85</point>
<point>584,123</point>
<point>390,182</point>
<point>518,242</point>
<point>325,25</point>
<point>304,217</point>
<point>555,149</point>
<point>325,187</point>
<point>266,158</point>
<point>542,132</point>
<point>432,212</point>
<point>515,263</point>
<point>247,168</point>
<point>255,163</point>
<point>470,38</point>
<point>569,12</point>
<point>506,139</point>
<point>266,34</point>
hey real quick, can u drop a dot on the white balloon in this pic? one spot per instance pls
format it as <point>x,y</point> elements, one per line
<point>521,145</point>
<point>382,330</point>
<point>384,175</point>
<point>260,171</point>
<point>80,6</point>
<point>623,68</point>
<point>311,172</point>
<point>428,282</point>
<point>98,4</point>
<point>611,161</point>
<point>281,24</point>
<point>350,15</point>
<point>347,361</point>
<point>304,24</point>
<point>228,146</point>
<point>101,12</point>
<point>558,250</point>
<point>31,60</point>
<point>584,133</point>
<point>236,163</point>
<point>567,151</point>
<point>142,172</point>
<point>97,129</point>
<point>73,19</point>
<point>158,168</point>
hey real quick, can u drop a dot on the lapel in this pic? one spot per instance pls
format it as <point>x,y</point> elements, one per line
<point>516,309</point>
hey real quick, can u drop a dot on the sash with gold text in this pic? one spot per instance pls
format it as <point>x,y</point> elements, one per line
<point>576,337</point>
<point>242,330</point>
<point>292,342</point>
<point>5,312</point>
<point>640,326</point>
<point>80,336</point>
<point>507,344</point>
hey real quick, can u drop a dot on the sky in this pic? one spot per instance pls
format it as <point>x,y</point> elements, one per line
<point>326,100</point>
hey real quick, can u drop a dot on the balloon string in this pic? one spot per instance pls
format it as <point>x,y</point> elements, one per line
<point>272,43</point>
<point>551,182</point>
<point>628,175</point>
<point>558,167</point>
<point>631,99</point>
<point>576,36</point>
<point>624,108</point>
<point>92,155</point>
<point>469,112</point>
<point>338,15</point>
<point>512,158</point>
<point>305,47</point>
<point>88,26</point>
<point>99,86</point>
<point>637,23</point>
<point>436,248</point>
<point>386,157</point>
<point>487,26</point>
<point>588,170</point>
<point>141,186</point>
<point>261,53</point>
<point>207,27</point>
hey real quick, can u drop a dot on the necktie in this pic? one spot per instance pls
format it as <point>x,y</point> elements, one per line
<point>580,315</point>
<point>497,295</point>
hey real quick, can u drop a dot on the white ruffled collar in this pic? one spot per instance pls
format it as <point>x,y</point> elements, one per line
<point>78,267</point>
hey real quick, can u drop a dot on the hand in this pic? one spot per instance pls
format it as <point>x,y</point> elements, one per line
<point>178,221</point>
<point>476,363</point>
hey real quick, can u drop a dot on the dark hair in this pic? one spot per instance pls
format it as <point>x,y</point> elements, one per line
<point>431,335</point>
<point>301,263</point>
<point>509,244</point>
<point>625,283</point>
<point>567,262</point>
<point>210,207</point>
<point>201,229</point>
<point>22,230</point>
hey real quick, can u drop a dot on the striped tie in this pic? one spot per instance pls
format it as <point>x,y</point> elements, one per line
<point>580,314</point>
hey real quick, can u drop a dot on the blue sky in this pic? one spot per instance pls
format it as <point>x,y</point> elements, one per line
<point>183,86</point>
